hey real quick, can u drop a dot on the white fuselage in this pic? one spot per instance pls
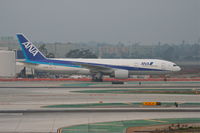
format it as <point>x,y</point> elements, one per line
<point>134,66</point>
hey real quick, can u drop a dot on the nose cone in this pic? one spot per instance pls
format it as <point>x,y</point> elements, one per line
<point>177,68</point>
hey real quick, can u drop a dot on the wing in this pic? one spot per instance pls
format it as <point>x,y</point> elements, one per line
<point>94,67</point>
<point>28,63</point>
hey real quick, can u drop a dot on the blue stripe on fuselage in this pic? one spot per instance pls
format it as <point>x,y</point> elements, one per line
<point>72,64</point>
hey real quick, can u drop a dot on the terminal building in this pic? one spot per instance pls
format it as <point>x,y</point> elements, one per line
<point>8,64</point>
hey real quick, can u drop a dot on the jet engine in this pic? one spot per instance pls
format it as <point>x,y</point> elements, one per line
<point>120,74</point>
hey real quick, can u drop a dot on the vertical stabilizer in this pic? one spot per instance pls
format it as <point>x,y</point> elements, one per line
<point>29,50</point>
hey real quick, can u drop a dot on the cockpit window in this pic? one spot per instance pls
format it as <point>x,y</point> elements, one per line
<point>174,65</point>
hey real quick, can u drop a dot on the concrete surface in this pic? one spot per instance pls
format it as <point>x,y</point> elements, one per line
<point>13,97</point>
<point>50,122</point>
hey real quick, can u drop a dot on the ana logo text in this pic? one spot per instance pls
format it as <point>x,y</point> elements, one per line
<point>147,63</point>
<point>31,48</point>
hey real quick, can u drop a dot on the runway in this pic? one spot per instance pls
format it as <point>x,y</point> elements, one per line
<point>21,111</point>
<point>50,122</point>
<point>103,110</point>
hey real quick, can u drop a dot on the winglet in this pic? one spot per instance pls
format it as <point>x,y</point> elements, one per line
<point>29,50</point>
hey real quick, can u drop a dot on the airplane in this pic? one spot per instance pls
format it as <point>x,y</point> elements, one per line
<point>97,68</point>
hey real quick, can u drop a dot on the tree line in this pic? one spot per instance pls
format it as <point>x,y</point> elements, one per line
<point>172,52</point>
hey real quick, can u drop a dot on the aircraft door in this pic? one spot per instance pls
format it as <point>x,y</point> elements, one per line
<point>163,65</point>
<point>136,64</point>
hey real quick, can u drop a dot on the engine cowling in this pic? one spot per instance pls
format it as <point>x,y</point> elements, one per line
<point>120,74</point>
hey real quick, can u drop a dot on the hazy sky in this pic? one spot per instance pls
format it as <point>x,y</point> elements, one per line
<point>145,21</point>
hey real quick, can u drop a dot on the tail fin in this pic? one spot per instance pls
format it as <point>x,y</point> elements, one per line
<point>29,50</point>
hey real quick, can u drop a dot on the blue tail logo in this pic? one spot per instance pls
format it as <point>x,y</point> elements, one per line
<point>29,50</point>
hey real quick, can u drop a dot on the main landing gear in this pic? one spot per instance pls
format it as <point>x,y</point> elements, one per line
<point>97,77</point>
